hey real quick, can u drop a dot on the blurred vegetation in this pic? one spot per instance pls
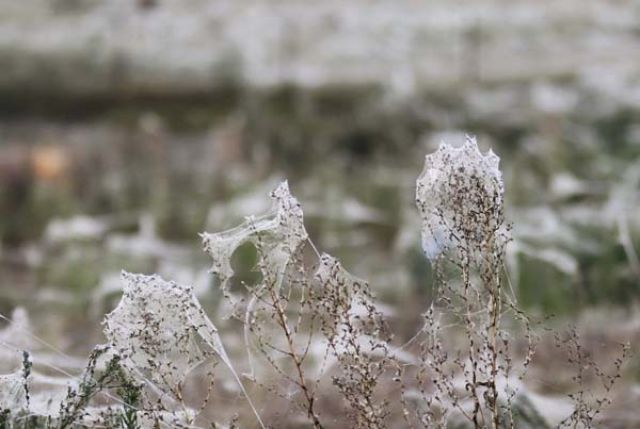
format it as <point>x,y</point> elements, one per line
<point>176,160</point>
<point>112,135</point>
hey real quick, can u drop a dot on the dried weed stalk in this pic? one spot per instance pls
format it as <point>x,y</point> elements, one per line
<point>285,313</point>
<point>593,385</point>
<point>278,323</point>
<point>460,197</point>
<point>358,337</point>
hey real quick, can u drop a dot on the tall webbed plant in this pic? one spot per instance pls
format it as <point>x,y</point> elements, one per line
<point>280,302</point>
<point>290,312</point>
<point>460,197</point>
<point>312,329</point>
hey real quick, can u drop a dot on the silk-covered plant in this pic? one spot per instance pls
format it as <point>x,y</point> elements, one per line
<point>313,334</point>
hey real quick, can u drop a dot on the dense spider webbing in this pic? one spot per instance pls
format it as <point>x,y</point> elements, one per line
<point>285,302</point>
<point>358,337</point>
<point>281,300</point>
<point>460,197</point>
<point>309,329</point>
<point>155,330</point>
<point>277,235</point>
<point>346,299</point>
<point>12,391</point>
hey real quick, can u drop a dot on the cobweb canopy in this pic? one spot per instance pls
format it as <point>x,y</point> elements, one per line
<point>12,393</point>
<point>460,196</point>
<point>155,329</point>
<point>277,235</point>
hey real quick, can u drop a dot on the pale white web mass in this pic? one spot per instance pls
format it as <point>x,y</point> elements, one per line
<point>460,196</point>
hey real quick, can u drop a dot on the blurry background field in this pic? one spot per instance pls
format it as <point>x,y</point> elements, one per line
<point>127,127</point>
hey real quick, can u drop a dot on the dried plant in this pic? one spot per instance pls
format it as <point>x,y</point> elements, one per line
<point>284,312</point>
<point>357,336</point>
<point>308,320</point>
<point>460,196</point>
<point>280,302</point>
<point>588,400</point>
<point>161,333</point>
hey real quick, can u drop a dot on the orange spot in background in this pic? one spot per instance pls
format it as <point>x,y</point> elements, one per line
<point>49,163</point>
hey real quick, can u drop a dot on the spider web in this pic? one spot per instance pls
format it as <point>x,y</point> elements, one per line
<point>460,195</point>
